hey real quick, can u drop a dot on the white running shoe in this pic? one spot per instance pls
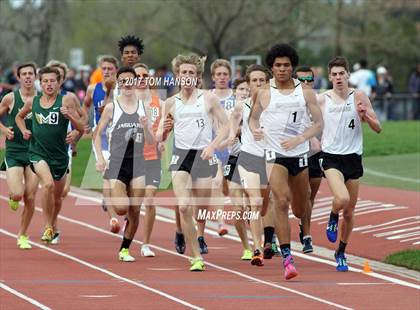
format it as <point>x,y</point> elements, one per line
<point>56,238</point>
<point>146,251</point>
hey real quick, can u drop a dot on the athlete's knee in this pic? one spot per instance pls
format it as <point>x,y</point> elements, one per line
<point>15,195</point>
<point>255,201</point>
<point>148,201</point>
<point>183,203</point>
<point>341,200</point>
<point>348,214</point>
<point>49,186</point>
<point>283,204</point>
<point>298,212</point>
<point>65,192</point>
<point>185,210</point>
<point>134,212</point>
<point>120,210</point>
<point>29,199</point>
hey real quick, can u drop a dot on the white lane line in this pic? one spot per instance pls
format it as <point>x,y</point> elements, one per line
<point>370,226</point>
<point>175,253</point>
<point>107,272</point>
<point>24,297</point>
<point>390,227</point>
<point>207,262</point>
<point>214,233</point>
<point>365,283</point>
<point>390,176</point>
<point>366,212</point>
<point>404,236</point>
<point>411,239</point>
<point>394,232</point>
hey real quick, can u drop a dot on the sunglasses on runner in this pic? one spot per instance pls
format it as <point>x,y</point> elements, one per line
<point>308,79</point>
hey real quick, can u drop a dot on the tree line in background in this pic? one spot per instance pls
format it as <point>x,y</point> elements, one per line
<point>382,32</point>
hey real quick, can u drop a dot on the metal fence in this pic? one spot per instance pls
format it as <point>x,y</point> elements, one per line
<point>401,106</point>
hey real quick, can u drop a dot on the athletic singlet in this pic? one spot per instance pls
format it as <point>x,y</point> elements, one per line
<point>17,144</point>
<point>285,117</point>
<point>126,134</point>
<point>228,105</point>
<point>150,150</point>
<point>249,144</point>
<point>342,127</point>
<point>192,124</point>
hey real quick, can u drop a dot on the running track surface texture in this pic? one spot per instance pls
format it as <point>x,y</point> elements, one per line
<point>83,271</point>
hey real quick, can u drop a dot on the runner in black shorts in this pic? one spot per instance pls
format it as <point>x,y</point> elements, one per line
<point>128,129</point>
<point>306,76</point>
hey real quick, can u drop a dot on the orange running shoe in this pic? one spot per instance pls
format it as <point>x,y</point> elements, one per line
<point>257,259</point>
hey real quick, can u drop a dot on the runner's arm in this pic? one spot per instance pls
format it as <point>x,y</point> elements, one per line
<point>20,120</point>
<point>234,125</point>
<point>219,117</point>
<point>166,121</point>
<point>69,110</point>
<point>366,112</point>
<point>5,105</point>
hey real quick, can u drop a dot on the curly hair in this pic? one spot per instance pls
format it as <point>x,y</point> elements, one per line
<point>131,40</point>
<point>282,50</point>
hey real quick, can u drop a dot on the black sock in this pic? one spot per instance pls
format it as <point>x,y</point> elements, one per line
<point>285,249</point>
<point>268,234</point>
<point>341,247</point>
<point>334,216</point>
<point>125,243</point>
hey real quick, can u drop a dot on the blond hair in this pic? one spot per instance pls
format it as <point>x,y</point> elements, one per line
<point>220,63</point>
<point>192,59</point>
<point>109,58</point>
<point>59,64</point>
<point>141,65</point>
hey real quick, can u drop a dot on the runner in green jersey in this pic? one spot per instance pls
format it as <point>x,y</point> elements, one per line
<point>17,158</point>
<point>48,149</point>
<point>72,138</point>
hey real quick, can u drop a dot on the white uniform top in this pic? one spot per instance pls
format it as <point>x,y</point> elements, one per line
<point>342,127</point>
<point>192,124</point>
<point>249,144</point>
<point>286,117</point>
<point>228,104</point>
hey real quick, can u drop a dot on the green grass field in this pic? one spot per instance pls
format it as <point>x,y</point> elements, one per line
<point>407,258</point>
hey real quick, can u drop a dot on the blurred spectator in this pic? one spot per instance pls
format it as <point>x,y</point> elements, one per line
<point>320,82</point>
<point>70,83</point>
<point>82,80</point>
<point>238,73</point>
<point>384,86</point>
<point>363,78</point>
<point>414,89</point>
<point>383,93</point>
<point>96,76</point>
<point>167,89</point>
<point>8,80</point>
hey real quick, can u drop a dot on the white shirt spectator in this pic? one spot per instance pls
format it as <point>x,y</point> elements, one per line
<point>363,79</point>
